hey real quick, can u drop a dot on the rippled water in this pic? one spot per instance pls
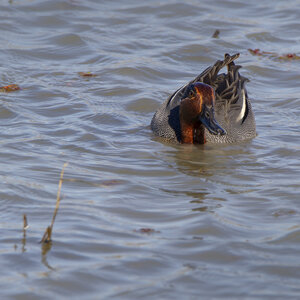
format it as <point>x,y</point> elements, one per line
<point>140,217</point>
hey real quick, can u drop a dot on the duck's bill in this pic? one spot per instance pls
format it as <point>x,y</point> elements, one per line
<point>212,125</point>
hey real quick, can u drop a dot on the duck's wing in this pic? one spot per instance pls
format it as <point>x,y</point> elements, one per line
<point>175,98</point>
<point>210,75</point>
<point>229,88</point>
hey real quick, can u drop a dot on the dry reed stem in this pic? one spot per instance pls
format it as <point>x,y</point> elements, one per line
<point>48,233</point>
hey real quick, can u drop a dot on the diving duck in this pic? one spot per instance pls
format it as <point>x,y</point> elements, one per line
<point>213,108</point>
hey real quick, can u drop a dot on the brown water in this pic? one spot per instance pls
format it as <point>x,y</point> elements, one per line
<point>140,218</point>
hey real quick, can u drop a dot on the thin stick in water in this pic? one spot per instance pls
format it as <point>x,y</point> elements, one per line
<point>48,233</point>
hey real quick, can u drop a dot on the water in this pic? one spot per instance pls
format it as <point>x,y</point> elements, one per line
<point>140,217</point>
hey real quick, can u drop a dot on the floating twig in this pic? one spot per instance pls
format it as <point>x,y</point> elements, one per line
<point>48,233</point>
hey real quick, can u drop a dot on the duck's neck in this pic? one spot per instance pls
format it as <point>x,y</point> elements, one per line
<point>199,136</point>
<point>192,133</point>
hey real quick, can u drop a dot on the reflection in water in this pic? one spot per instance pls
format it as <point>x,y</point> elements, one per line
<point>25,227</point>
<point>206,161</point>
<point>24,241</point>
<point>46,247</point>
<point>209,173</point>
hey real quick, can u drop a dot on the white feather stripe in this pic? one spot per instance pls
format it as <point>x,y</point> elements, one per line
<point>243,110</point>
<point>174,96</point>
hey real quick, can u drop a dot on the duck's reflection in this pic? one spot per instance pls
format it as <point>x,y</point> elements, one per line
<point>208,171</point>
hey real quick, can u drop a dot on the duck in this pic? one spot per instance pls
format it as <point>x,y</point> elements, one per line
<point>212,108</point>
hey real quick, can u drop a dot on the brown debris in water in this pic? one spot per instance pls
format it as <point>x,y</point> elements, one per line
<point>9,88</point>
<point>86,74</point>
<point>48,233</point>
<point>289,56</point>
<point>216,34</point>
<point>146,230</point>
<point>110,183</point>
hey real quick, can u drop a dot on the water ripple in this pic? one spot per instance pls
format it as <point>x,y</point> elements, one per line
<point>141,217</point>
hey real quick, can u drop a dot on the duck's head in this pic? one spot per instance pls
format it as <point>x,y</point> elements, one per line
<point>196,112</point>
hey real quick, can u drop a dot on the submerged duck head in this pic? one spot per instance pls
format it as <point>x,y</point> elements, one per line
<point>196,111</point>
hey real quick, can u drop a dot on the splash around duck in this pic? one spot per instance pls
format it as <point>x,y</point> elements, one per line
<point>213,108</point>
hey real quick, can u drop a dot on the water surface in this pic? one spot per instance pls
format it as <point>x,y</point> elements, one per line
<point>140,217</point>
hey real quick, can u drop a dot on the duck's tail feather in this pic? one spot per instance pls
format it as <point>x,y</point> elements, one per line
<point>227,86</point>
<point>209,76</point>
